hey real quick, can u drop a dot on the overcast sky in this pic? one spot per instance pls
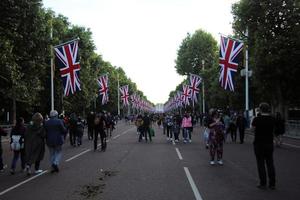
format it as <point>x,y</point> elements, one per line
<point>143,36</point>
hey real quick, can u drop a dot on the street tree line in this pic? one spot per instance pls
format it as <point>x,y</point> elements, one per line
<point>25,54</point>
<point>273,43</point>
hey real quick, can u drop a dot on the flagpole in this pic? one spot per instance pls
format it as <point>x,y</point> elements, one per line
<point>118,94</point>
<point>203,95</point>
<point>246,80</point>
<point>52,70</point>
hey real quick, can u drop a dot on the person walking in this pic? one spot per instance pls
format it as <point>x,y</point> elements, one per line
<point>17,144</point>
<point>146,127</point>
<point>241,124</point>
<point>139,126</point>
<point>72,129</point>
<point>216,137</point>
<point>232,127</point>
<point>79,131</point>
<point>35,143</point>
<point>90,123</point>
<point>187,127</point>
<point>279,129</point>
<point>55,133</point>
<point>176,127</point>
<point>2,133</point>
<point>263,146</point>
<point>99,130</point>
<point>169,122</point>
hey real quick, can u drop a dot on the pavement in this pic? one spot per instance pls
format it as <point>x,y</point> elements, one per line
<point>157,170</point>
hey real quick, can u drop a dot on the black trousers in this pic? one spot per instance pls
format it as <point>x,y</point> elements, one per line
<point>147,130</point>
<point>72,135</point>
<point>242,134</point>
<point>264,159</point>
<point>102,137</point>
<point>90,132</point>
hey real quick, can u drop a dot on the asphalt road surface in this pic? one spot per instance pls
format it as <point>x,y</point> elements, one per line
<point>158,170</point>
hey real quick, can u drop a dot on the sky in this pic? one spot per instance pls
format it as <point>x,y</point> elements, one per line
<point>143,36</point>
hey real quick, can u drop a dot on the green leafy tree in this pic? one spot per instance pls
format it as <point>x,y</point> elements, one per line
<point>274,44</point>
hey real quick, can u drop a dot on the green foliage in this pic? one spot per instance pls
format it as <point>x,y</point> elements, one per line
<point>274,43</point>
<point>25,53</point>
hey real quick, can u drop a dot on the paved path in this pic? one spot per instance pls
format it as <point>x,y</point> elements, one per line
<point>154,171</point>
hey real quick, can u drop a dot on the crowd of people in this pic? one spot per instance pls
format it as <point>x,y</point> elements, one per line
<point>217,126</point>
<point>28,142</point>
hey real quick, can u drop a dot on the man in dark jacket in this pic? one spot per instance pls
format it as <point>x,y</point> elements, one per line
<point>263,146</point>
<point>55,131</point>
<point>146,127</point>
<point>2,133</point>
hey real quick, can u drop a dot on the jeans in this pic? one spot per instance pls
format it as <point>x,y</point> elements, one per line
<point>16,158</point>
<point>187,133</point>
<point>55,155</point>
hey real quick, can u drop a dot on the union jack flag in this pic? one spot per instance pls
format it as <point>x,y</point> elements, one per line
<point>195,81</point>
<point>103,88</point>
<point>125,95</point>
<point>186,94</point>
<point>67,60</point>
<point>228,61</point>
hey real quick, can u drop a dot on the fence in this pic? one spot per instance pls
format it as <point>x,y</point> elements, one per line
<point>293,128</point>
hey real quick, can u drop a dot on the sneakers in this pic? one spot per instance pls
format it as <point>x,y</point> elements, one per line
<point>220,162</point>
<point>262,187</point>
<point>38,171</point>
<point>12,171</point>
<point>190,141</point>
<point>212,162</point>
<point>176,140</point>
<point>28,170</point>
<point>54,168</point>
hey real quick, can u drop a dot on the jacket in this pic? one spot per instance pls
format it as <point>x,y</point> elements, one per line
<point>55,131</point>
<point>34,143</point>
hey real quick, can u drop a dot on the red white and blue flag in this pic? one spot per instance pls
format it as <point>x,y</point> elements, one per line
<point>103,88</point>
<point>67,60</point>
<point>195,81</point>
<point>228,61</point>
<point>186,94</point>
<point>125,95</point>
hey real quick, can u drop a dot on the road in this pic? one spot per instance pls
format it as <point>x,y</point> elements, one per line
<point>159,170</point>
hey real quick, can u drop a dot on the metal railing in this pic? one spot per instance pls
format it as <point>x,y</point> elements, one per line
<point>292,128</point>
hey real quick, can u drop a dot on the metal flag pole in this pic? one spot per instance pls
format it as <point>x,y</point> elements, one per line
<point>246,80</point>
<point>203,95</point>
<point>118,94</point>
<point>52,70</point>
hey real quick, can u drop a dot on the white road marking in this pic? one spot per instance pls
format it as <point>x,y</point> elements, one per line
<point>23,182</point>
<point>78,155</point>
<point>116,136</point>
<point>44,172</point>
<point>178,153</point>
<point>192,183</point>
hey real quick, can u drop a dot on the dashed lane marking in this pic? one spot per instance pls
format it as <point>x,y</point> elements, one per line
<point>192,183</point>
<point>23,182</point>
<point>178,153</point>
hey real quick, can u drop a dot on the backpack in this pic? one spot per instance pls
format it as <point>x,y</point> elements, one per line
<point>16,143</point>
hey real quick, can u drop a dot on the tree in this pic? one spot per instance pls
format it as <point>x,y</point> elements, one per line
<point>274,44</point>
